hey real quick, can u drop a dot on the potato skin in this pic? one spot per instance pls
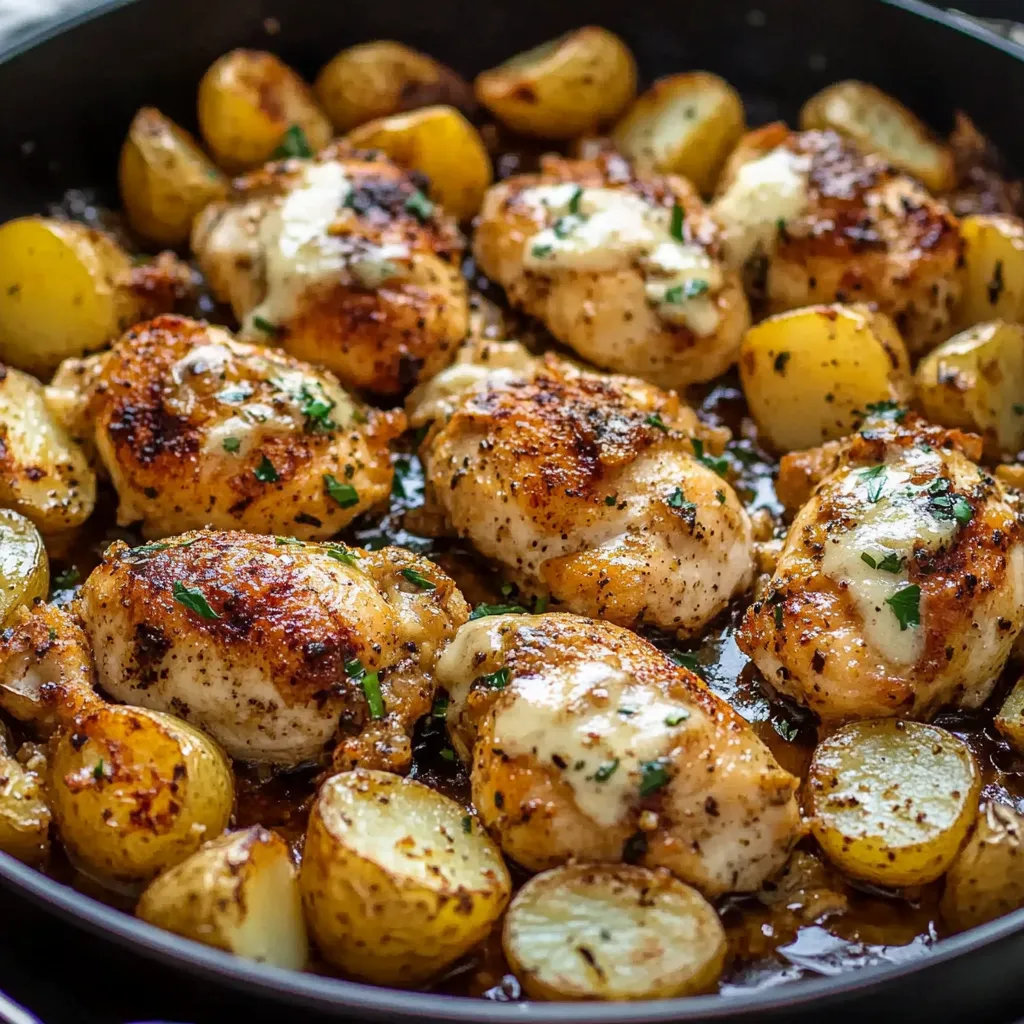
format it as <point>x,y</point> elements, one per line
<point>1010,718</point>
<point>134,792</point>
<point>400,913</point>
<point>165,178</point>
<point>564,88</point>
<point>24,566</point>
<point>248,99</point>
<point>809,374</point>
<point>24,814</point>
<point>383,77</point>
<point>993,271</point>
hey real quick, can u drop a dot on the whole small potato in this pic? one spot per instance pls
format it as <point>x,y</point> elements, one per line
<point>564,88</point>
<point>165,178</point>
<point>239,893</point>
<point>135,792</point>
<point>24,814</point>
<point>440,143</point>
<point>993,270</point>
<point>381,78</point>
<point>809,374</point>
<point>24,566</point>
<point>248,101</point>
<point>397,880</point>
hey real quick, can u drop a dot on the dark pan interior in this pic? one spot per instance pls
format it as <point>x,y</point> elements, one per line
<point>67,102</point>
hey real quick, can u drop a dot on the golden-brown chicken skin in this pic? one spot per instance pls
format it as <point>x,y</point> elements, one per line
<point>344,262</point>
<point>587,742</point>
<point>900,588</point>
<point>811,219</point>
<point>196,429</point>
<point>274,647</point>
<point>623,268</point>
<point>585,487</point>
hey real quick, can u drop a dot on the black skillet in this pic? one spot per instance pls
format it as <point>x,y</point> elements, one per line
<point>70,86</point>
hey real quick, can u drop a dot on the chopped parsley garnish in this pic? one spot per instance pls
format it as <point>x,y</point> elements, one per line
<point>682,292</point>
<point>541,250</point>
<point>193,599</point>
<point>653,775</point>
<point>675,717</point>
<point>654,420</point>
<point>232,396</point>
<point>448,754</point>
<point>497,680</point>
<point>293,143</point>
<point>540,604</point>
<point>606,771</point>
<point>720,497</point>
<point>467,824</point>
<point>780,363</point>
<point>887,409</point>
<point>776,600</point>
<point>626,710</point>
<point>906,606</point>
<point>317,410</point>
<point>718,463</point>
<point>97,772</point>
<point>686,659</point>
<point>874,477</point>
<point>943,503</point>
<point>611,500</point>
<point>148,549</point>
<point>289,542</point>
<point>419,206</point>
<point>786,729</point>
<point>481,611</point>
<point>416,577</point>
<point>778,616</point>
<point>686,509</point>
<point>232,444</point>
<point>340,554</point>
<point>675,225</point>
<point>264,325</point>
<point>1018,408</point>
<point>265,472</point>
<point>440,708</point>
<point>344,494</point>
<point>892,562</point>
<point>370,682</point>
<point>67,578</point>
<point>564,226</point>
<point>574,200</point>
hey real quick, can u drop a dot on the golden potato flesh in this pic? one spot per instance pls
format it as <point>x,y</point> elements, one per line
<point>397,880</point>
<point>563,88</point>
<point>993,270</point>
<point>239,893</point>
<point>809,374</point>
<point>61,292</point>
<point>382,78</point>
<point>165,178</point>
<point>976,381</point>
<point>135,792</point>
<point>1010,719</point>
<point>253,107</point>
<point>44,475</point>
<point>612,932</point>
<point>893,800</point>
<point>24,814</point>
<point>440,143</point>
<point>1011,476</point>
<point>685,124</point>
<point>24,567</point>
<point>878,123</point>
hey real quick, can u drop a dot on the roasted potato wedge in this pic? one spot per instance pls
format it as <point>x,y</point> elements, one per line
<point>808,374</point>
<point>239,893</point>
<point>382,78</point>
<point>24,813</point>
<point>684,124</point>
<point>987,879</point>
<point>397,880</point>
<point>1010,719</point>
<point>440,143</point>
<point>893,801</point>
<point>165,178</point>
<point>251,105</point>
<point>612,932</point>
<point>24,566</point>
<point>44,475</point>
<point>878,123</point>
<point>976,381</point>
<point>563,88</point>
<point>993,271</point>
<point>135,792</point>
<point>61,292</point>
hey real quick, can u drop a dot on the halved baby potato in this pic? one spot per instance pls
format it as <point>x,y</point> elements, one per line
<point>44,475</point>
<point>135,792</point>
<point>878,123</point>
<point>1010,719</point>
<point>165,178</point>
<point>993,270</point>
<point>24,566</point>
<point>976,381</point>
<point>251,104</point>
<point>809,374</point>
<point>24,814</point>
<point>612,932</point>
<point>893,801</point>
<point>684,124</point>
<point>239,893</point>
<point>397,880</point>
<point>440,143</point>
<point>563,88</point>
<point>381,78</point>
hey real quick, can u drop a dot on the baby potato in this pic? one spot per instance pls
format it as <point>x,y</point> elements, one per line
<point>877,123</point>
<point>893,801</point>
<point>239,893</point>
<point>987,878</point>
<point>24,567</point>
<point>993,271</point>
<point>440,143</point>
<point>135,792</point>
<point>612,931</point>
<point>382,78</point>
<point>809,373</point>
<point>397,880</point>
<point>684,124</point>
<point>248,101</point>
<point>976,381</point>
<point>1010,719</point>
<point>61,292</point>
<point>24,814</point>
<point>44,475</point>
<point>563,88</point>
<point>165,178</point>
